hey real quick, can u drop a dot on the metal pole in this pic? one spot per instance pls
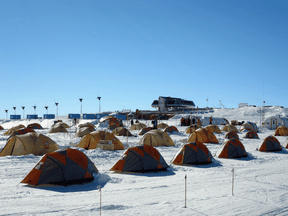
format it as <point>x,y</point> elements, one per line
<point>99,186</point>
<point>6,113</point>
<point>185,188</point>
<point>233,182</point>
<point>99,98</point>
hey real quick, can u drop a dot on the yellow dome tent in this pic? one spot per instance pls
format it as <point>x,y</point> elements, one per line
<point>138,126</point>
<point>100,139</point>
<point>30,143</point>
<point>229,128</point>
<point>204,136</point>
<point>281,131</point>
<point>121,131</point>
<point>213,129</point>
<point>11,130</point>
<point>156,138</point>
<point>162,125</point>
<point>192,128</point>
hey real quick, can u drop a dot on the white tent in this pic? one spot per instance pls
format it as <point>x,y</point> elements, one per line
<point>275,121</point>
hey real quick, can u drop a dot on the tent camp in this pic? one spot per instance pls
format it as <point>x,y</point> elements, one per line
<point>194,153</point>
<point>11,130</point>
<point>270,144</point>
<point>121,131</point>
<point>202,135</point>
<point>232,148</point>
<point>138,126</point>
<point>58,128</point>
<point>100,139</point>
<point>229,127</point>
<point>171,129</point>
<point>231,134</point>
<point>213,129</point>
<point>140,159</point>
<point>63,167</point>
<point>251,134</point>
<point>34,126</point>
<point>22,131</point>
<point>281,131</point>
<point>162,125</point>
<point>192,128</point>
<point>88,124</point>
<point>156,138</point>
<point>83,131</point>
<point>249,126</point>
<point>145,130</point>
<point>274,122</point>
<point>30,143</point>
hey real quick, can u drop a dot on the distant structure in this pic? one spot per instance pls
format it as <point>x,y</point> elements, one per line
<point>165,104</point>
<point>240,105</point>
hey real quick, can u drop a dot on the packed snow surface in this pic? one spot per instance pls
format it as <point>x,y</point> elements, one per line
<point>260,181</point>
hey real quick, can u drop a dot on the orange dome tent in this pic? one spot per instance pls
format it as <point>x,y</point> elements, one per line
<point>232,148</point>
<point>63,167</point>
<point>251,134</point>
<point>23,131</point>
<point>140,159</point>
<point>34,126</point>
<point>171,129</point>
<point>194,153</point>
<point>145,130</point>
<point>270,144</point>
<point>231,134</point>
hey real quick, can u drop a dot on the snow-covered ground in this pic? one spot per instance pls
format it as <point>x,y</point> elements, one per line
<point>261,186</point>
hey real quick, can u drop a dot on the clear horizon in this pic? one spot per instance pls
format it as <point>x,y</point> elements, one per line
<point>131,52</point>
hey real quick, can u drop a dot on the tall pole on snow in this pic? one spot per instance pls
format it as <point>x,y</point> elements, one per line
<point>233,182</point>
<point>99,187</point>
<point>23,107</point>
<point>99,98</point>
<point>185,188</point>
<point>81,99</point>
<point>6,113</point>
<point>46,107</point>
<point>34,109</point>
<point>56,108</point>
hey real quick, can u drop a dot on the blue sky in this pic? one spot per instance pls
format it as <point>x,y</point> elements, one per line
<point>132,52</point>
